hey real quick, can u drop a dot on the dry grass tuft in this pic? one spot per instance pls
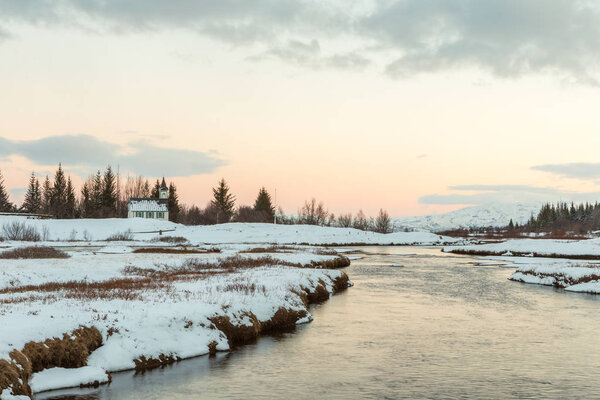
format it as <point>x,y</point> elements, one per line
<point>71,351</point>
<point>283,320</point>
<point>145,364</point>
<point>238,335</point>
<point>125,236</point>
<point>33,252</point>
<point>271,249</point>
<point>15,374</point>
<point>170,239</point>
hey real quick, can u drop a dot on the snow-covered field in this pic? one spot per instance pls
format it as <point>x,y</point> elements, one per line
<point>535,247</point>
<point>156,307</point>
<point>91,230</point>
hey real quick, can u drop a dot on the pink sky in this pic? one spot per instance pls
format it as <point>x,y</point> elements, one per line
<point>292,118</point>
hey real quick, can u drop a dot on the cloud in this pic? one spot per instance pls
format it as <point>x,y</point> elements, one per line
<point>587,171</point>
<point>507,38</point>
<point>506,194</point>
<point>86,153</point>
<point>309,54</point>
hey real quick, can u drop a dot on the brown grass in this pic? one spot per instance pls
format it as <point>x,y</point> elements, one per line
<point>15,374</point>
<point>145,364</point>
<point>170,239</point>
<point>140,280</point>
<point>561,280</point>
<point>271,249</point>
<point>70,351</point>
<point>162,250</point>
<point>33,252</point>
<point>470,252</point>
<point>238,335</point>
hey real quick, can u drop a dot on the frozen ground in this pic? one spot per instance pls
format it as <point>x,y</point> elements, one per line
<point>91,230</point>
<point>147,305</point>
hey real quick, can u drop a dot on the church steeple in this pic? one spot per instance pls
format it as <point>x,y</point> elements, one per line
<point>163,191</point>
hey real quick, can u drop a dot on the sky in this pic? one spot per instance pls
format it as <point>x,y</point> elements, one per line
<point>414,106</point>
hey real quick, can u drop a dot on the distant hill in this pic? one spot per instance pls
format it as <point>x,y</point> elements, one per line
<point>493,214</point>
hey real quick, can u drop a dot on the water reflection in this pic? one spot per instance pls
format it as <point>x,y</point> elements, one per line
<point>439,327</point>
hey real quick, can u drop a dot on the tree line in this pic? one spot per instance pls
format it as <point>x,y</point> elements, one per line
<point>103,195</point>
<point>562,217</point>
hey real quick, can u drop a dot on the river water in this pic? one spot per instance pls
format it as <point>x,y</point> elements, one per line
<point>435,327</point>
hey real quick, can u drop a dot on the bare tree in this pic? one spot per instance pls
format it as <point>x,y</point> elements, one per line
<point>362,222</point>
<point>383,223</point>
<point>344,220</point>
<point>136,186</point>
<point>313,213</point>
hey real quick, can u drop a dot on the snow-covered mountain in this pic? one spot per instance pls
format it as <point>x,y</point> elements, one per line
<point>493,214</point>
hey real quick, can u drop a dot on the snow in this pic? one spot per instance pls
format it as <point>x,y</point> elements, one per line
<point>562,272</point>
<point>7,395</point>
<point>543,247</point>
<point>58,378</point>
<point>148,205</point>
<point>173,321</point>
<point>491,214</point>
<point>145,229</point>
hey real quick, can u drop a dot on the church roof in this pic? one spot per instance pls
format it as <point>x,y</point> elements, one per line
<point>163,185</point>
<point>148,204</point>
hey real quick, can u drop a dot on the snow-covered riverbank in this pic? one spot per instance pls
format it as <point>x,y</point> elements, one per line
<point>570,264</point>
<point>575,249</point>
<point>116,310</point>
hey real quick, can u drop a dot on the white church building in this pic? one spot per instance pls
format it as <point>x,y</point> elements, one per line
<point>148,207</point>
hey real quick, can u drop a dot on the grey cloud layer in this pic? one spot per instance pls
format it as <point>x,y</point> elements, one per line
<point>505,194</point>
<point>509,38</point>
<point>590,171</point>
<point>86,153</point>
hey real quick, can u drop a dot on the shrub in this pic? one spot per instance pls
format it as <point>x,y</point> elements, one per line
<point>120,236</point>
<point>170,239</point>
<point>20,231</point>
<point>33,252</point>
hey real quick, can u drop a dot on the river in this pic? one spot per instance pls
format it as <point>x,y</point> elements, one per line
<point>433,326</point>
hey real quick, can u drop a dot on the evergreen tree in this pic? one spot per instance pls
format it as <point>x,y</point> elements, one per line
<point>146,189</point>
<point>58,199</point>
<point>70,206</point>
<point>33,197</point>
<point>87,205</point>
<point>156,190</point>
<point>223,202</point>
<point>108,197</point>
<point>173,203</point>
<point>5,204</point>
<point>46,196</point>
<point>264,205</point>
<point>511,225</point>
<point>96,195</point>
